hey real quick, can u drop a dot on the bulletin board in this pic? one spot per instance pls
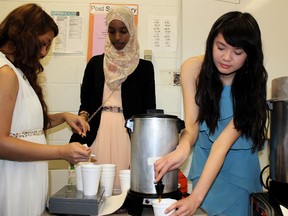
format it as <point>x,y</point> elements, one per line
<point>97,26</point>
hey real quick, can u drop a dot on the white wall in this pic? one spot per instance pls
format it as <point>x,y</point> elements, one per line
<point>198,17</point>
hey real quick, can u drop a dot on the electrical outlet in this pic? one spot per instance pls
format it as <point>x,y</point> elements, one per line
<point>176,78</point>
<point>148,55</point>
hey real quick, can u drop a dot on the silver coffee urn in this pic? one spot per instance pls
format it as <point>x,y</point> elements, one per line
<point>153,135</point>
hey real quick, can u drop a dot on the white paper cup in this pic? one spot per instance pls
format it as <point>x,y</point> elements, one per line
<point>108,178</point>
<point>159,207</point>
<point>79,182</point>
<point>107,181</point>
<point>125,172</point>
<point>124,176</point>
<point>90,177</point>
<point>108,167</point>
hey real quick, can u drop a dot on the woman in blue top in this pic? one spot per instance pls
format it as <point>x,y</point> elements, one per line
<point>225,117</point>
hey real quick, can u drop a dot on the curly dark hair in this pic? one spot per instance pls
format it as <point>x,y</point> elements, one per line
<point>21,29</point>
<point>249,84</point>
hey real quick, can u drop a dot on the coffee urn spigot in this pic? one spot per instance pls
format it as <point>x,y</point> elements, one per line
<point>159,189</point>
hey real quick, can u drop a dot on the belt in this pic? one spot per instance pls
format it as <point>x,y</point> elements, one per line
<point>27,133</point>
<point>112,109</point>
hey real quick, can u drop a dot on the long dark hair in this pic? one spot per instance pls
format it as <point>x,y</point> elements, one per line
<point>249,84</point>
<point>21,29</point>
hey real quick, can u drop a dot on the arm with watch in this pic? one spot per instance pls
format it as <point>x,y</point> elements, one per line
<point>84,114</point>
<point>91,96</point>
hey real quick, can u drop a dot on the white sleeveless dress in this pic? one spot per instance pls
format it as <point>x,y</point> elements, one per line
<point>24,185</point>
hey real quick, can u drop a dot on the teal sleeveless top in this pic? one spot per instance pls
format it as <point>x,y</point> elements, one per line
<point>240,173</point>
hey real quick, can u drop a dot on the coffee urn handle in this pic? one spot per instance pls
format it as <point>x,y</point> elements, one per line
<point>129,124</point>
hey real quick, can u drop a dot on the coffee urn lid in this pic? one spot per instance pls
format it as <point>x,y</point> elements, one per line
<point>155,115</point>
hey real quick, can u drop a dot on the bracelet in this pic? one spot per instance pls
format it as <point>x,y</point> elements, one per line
<point>84,112</point>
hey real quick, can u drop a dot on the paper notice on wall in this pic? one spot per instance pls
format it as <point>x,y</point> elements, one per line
<point>162,33</point>
<point>70,37</point>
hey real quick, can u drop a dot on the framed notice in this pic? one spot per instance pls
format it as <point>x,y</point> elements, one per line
<point>97,26</point>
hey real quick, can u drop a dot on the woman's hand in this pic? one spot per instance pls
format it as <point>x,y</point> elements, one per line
<point>75,153</point>
<point>77,123</point>
<point>169,162</point>
<point>184,207</point>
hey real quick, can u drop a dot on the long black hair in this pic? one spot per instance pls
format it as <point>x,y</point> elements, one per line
<point>21,29</point>
<point>249,84</point>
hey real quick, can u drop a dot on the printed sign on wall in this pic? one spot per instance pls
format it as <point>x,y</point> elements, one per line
<point>162,33</point>
<point>70,37</point>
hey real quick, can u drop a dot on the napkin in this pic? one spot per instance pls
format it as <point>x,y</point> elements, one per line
<point>284,210</point>
<point>113,203</point>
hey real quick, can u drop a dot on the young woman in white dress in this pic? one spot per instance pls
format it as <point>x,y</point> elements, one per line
<point>25,37</point>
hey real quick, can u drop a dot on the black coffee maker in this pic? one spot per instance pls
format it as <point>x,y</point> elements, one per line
<point>277,182</point>
<point>278,106</point>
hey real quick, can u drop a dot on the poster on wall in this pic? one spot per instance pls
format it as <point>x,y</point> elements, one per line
<point>70,36</point>
<point>162,33</point>
<point>97,26</point>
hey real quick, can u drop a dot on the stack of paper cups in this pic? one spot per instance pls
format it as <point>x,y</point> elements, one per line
<point>124,176</point>
<point>108,178</point>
